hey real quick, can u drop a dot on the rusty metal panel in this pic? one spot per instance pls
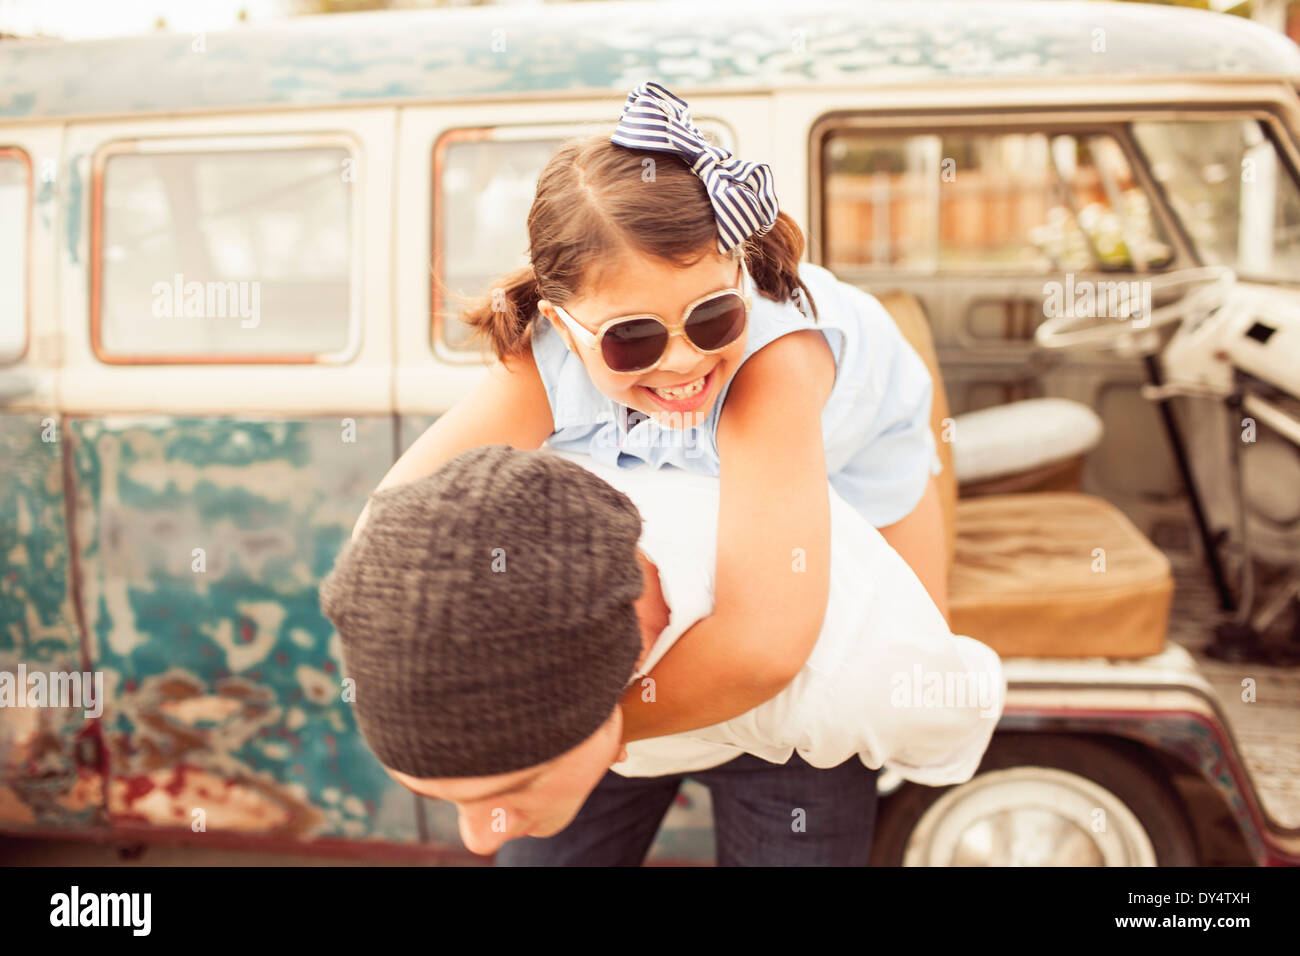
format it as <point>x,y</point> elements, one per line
<point>49,778</point>
<point>202,542</point>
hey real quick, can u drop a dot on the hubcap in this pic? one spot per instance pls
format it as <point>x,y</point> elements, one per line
<point>1029,816</point>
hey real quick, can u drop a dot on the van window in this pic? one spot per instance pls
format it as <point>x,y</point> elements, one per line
<point>484,185</point>
<point>222,255</point>
<point>486,190</point>
<point>1237,200</point>
<point>15,199</point>
<point>1019,202</point>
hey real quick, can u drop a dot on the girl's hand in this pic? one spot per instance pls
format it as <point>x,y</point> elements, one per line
<point>773,574</point>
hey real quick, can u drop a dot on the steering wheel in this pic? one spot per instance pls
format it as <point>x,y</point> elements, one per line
<point>1209,288</point>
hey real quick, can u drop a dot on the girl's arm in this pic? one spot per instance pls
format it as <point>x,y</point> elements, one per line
<point>773,556</point>
<point>507,407</point>
<point>919,538</point>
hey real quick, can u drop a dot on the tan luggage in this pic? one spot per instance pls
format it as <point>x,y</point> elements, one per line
<point>1057,574</point>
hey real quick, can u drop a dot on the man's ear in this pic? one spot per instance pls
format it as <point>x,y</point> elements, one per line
<point>544,306</point>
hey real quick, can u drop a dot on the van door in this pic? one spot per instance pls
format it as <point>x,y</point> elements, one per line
<point>228,390</point>
<point>51,779</point>
<point>992,220</point>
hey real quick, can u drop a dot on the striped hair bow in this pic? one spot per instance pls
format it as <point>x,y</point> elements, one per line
<point>743,197</point>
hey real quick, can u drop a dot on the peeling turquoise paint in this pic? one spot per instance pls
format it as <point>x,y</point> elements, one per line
<point>226,680</point>
<point>222,686</point>
<point>45,779</point>
<point>45,196</point>
<point>19,104</point>
<point>73,209</point>
<point>33,539</point>
<point>601,48</point>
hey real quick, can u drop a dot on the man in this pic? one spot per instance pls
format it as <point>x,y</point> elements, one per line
<point>493,613</point>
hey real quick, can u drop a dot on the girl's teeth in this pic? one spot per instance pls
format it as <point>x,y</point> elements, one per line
<point>681,391</point>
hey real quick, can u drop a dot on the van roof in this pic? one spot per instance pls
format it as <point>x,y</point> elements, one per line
<point>601,48</point>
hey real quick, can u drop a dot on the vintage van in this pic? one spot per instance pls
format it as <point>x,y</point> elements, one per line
<point>222,318</point>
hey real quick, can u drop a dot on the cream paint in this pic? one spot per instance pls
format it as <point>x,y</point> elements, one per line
<point>266,617</point>
<point>123,636</point>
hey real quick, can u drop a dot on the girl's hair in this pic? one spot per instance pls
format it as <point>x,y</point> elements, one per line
<point>596,202</point>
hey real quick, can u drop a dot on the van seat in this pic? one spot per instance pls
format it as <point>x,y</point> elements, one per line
<point>1057,574</point>
<point>1022,436</point>
<point>1046,574</point>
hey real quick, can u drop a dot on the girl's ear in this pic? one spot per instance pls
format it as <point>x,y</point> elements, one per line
<point>544,306</point>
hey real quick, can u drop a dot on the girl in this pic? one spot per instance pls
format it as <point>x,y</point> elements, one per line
<point>666,318</point>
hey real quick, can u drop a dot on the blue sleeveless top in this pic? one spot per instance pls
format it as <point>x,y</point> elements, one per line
<point>880,451</point>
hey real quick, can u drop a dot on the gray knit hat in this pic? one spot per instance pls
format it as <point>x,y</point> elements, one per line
<point>486,612</point>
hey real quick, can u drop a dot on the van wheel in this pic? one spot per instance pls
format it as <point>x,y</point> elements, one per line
<point>1040,800</point>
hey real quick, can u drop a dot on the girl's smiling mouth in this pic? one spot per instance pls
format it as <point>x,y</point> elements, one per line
<point>684,397</point>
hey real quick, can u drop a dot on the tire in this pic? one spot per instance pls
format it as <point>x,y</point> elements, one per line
<point>1050,791</point>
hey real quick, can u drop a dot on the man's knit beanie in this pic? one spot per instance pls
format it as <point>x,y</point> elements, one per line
<point>486,612</point>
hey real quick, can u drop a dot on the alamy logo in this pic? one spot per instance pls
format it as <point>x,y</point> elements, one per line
<point>102,909</point>
<point>669,430</point>
<point>959,690</point>
<point>1130,301</point>
<point>55,689</point>
<point>208,300</point>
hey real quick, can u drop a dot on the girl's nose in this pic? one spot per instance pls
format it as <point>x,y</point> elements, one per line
<point>681,355</point>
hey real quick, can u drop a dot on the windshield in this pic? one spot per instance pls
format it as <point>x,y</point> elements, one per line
<point>1237,200</point>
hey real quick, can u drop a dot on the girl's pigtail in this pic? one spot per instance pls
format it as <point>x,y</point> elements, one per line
<point>503,321</point>
<point>773,261</point>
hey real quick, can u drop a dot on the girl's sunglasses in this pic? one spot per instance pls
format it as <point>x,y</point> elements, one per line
<point>638,343</point>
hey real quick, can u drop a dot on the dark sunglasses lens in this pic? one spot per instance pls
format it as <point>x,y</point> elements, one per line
<point>634,345</point>
<point>717,323</point>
